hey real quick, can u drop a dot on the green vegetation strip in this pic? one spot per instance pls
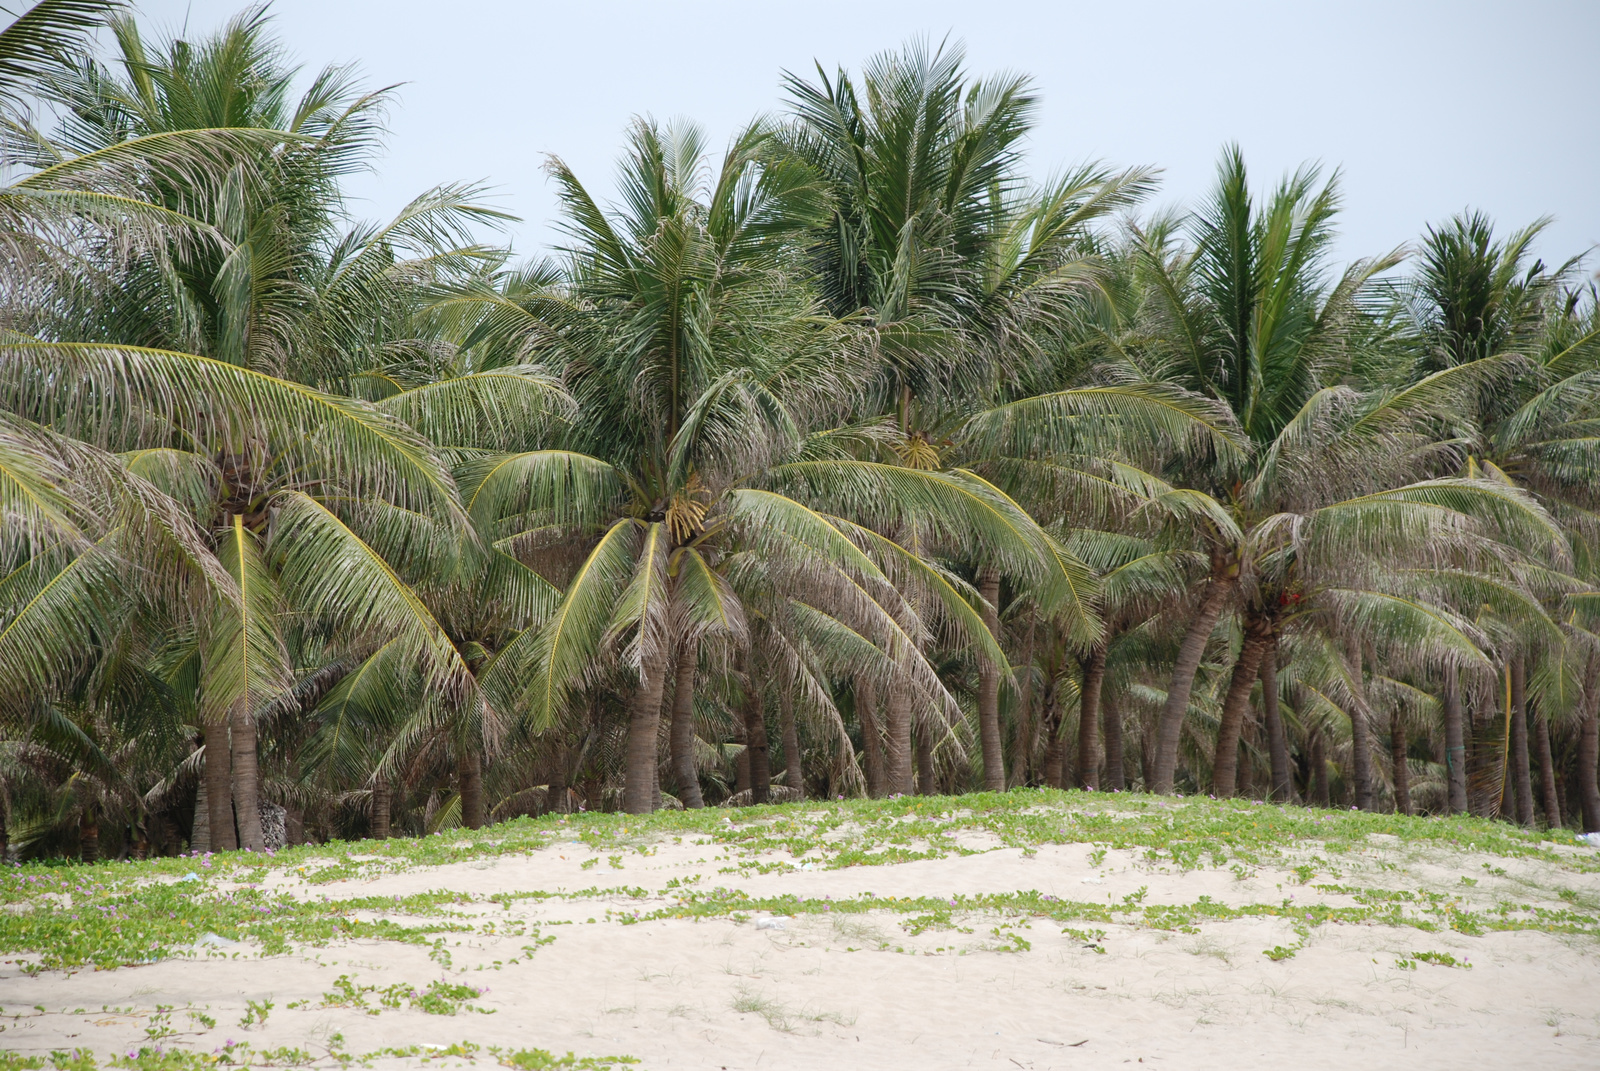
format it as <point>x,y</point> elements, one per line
<point>242,1054</point>
<point>115,914</point>
<point>1430,912</point>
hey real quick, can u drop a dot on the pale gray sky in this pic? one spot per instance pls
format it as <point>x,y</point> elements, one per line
<point>1427,107</point>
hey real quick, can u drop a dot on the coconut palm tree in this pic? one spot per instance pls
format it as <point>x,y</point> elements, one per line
<point>965,278</point>
<point>267,478</point>
<point>701,368</point>
<point>1251,320</point>
<point>1530,340</point>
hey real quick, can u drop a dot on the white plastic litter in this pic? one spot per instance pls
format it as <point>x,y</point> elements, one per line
<point>1092,881</point>
<point>1591,839</point>
<point>217,941</point>
<point>769,924</point>
<point>191,876</point>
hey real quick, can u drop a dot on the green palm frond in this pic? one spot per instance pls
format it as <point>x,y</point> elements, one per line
<point>955,605</point>
<point>244,657</point>
<point>1131,420</point>
<point>187,478</point>
<point>1409,631</point>
<point>958,506</point>
<point>763,515</point>
<point>34,495</point>
<point>37,41</point>
<point>543,664</point>
<point>315,435</point>
<point>355,715</point>
<point>1510,514</point>
<point>495,409</point>
<point>56,606</point>
<point>705,601</point>
<point>539,487</point>
<point>327,571</point>
<point>645,607</point>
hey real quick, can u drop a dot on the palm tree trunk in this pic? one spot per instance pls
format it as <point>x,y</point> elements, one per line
<point>1282,790</point>
<point>1481,766</point>
<point>927,782</point>
<point>741,765</point>
<point>1054,750</point>
<point>219,788</point>
<point>871,738</point>
<point>246,779</point>
<point>1397,756</point>
<point>897,723</point>
<point>1169,730</point>
<point>1021,742</point>
<point>1360,760</point>
<point>1246,784</point>
<point>1319,770</point>
<point>644,724</point>
<point>1094,678</point>
<point>89,835</point>
<point>1147,750</point>
<point>1589,749</point>
<point>1455,748</point>
<point>793,776</point>
<point>994,763</point>
<point>663,744</point>
<point>755,744</point>
<point>200,824</point>
<point>1225,764</point>
<point>558,799</point>
<point>1521,773</point>
<point>680,747</point>
<point>381,796</point>
<point>1111,721</point>
<point>469,773</point>
<point>1360,732</point>
<point>1547,770</point>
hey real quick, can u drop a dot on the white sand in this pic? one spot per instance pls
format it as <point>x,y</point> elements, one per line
<point>667,992</point>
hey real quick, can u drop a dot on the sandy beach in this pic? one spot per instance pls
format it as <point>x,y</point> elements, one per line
<point>574,971</point>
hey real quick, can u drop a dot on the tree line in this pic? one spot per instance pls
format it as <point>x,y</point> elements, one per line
<point>851,459</point>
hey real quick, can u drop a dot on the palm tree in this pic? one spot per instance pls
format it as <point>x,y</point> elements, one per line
<point>1250,320</point>
<point>278,475</point>
<point>964,278</point>
<point>1531,345</point>
<point>699,366</point>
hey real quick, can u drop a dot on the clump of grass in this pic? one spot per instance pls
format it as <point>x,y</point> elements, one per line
<point>780,1016</point>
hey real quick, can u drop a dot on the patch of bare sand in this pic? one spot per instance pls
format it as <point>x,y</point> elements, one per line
<point>860,990</point>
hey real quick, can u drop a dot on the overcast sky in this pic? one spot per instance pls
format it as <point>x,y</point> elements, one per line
<point>1426,107</point>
